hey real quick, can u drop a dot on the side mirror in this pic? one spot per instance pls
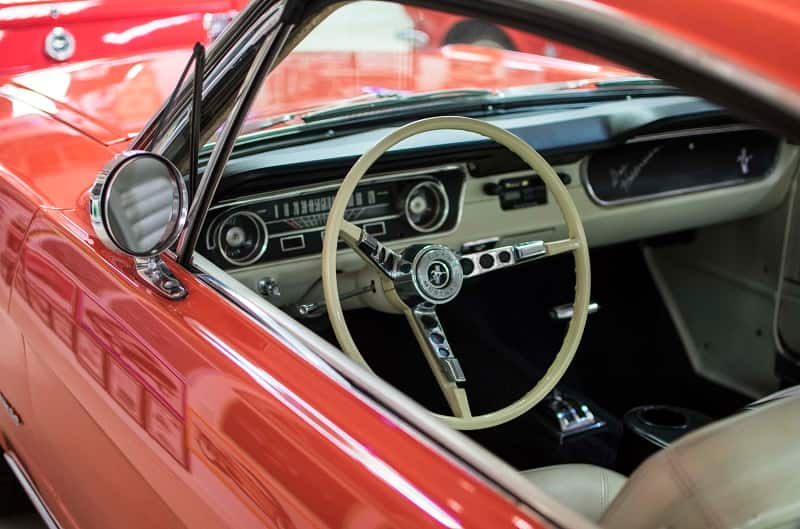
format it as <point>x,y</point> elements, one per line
<point>138,206</point>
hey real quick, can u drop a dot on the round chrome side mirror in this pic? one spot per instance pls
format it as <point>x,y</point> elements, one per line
<point>139,204</point>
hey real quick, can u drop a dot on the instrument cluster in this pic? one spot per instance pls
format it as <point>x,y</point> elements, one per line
<point>290,223</point>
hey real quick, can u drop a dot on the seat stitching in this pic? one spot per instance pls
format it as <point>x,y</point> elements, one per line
<point>603,491</point>
<point>620,499</point>
<point>685,483</point>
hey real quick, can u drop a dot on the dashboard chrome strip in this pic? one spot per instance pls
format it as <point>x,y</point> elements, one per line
<point>388,401</point>
<point>30,489</point>
<point>316,188</point>
<point>355,221</point>
<point>683,133</point>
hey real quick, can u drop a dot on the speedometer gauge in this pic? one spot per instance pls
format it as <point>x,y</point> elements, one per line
<point>242,238</point>
<point>426,206</point>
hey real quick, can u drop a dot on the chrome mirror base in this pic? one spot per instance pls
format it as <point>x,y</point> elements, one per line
<point>155,272</point>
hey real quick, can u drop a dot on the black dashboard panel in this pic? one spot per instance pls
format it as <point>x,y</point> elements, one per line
<point>290,223</point>
<point>662,164</point>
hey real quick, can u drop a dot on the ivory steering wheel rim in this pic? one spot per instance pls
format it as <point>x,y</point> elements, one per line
<point>576,244</point>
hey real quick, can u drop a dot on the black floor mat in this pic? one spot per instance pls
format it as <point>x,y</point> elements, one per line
<point>499,328</point>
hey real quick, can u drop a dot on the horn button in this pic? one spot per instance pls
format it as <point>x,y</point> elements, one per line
<point>436,274</point>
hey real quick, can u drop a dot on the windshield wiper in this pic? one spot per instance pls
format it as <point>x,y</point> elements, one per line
<point>387,100</point>
<point>598,84</point>
<point>381,104</point>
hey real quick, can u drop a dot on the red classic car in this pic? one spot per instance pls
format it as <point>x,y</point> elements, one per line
<point>433,29</point>
<point>37,34</point>
<point>351,287</point>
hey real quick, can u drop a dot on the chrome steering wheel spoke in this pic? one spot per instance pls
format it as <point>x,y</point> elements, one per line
<point>479,263</point>
<point>446,368</point>
<point>385,260</point>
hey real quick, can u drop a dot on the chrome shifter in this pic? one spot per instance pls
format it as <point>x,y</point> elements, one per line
<point>565,415</point>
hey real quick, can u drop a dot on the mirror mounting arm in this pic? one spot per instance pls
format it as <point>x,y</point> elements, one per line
<point>154,271</point>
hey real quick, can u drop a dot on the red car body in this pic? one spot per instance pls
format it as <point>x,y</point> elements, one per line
<point>120,95</point>
<point>103,29</point>
<point>136,411</point>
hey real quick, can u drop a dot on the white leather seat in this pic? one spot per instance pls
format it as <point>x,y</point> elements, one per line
<point>741,472</point>
<point>587,489</point>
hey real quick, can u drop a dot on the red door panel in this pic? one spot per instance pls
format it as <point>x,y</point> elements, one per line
<point>196,412</point>
<point>15,215</point>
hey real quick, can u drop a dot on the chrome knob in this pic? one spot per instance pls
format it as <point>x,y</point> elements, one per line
<point>268,287</point>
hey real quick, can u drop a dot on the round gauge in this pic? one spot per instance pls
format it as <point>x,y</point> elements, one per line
<point>426,206</point>
<point>242,238</point>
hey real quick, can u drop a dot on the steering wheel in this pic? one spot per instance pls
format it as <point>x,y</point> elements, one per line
<point>424,276</point>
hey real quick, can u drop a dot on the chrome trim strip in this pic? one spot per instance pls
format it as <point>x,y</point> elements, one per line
<point>682,133</point>
<point>584,175</point>
<point>316,188</point>
<point>322,228</point>
<point>30,489</point>
<point>388,401</point>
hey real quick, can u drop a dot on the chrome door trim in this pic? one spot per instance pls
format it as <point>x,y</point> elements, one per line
<point>415,420</point>
<point>30,489</point>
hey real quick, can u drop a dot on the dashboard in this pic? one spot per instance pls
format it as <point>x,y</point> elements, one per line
<point>635,169</point>
<point>290,223</point>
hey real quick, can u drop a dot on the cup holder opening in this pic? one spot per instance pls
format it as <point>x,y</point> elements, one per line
<point>663,417</point>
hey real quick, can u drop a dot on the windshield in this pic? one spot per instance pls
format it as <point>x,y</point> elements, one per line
<point>368,53</point>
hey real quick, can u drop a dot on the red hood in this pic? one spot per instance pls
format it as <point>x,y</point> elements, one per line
<point>26,13</point>
<point>110,100</point>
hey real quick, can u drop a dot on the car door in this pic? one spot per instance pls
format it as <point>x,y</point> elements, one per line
<point>16,211</point>
<point>159,413</point>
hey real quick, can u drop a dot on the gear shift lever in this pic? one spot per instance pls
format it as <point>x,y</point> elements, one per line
<point>565,415</point>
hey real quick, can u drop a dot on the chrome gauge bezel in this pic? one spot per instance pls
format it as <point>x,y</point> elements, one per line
<point>261,246</point>
<point>444,209</point>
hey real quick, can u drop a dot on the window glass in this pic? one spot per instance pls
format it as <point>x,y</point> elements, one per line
<point>372,50</point>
